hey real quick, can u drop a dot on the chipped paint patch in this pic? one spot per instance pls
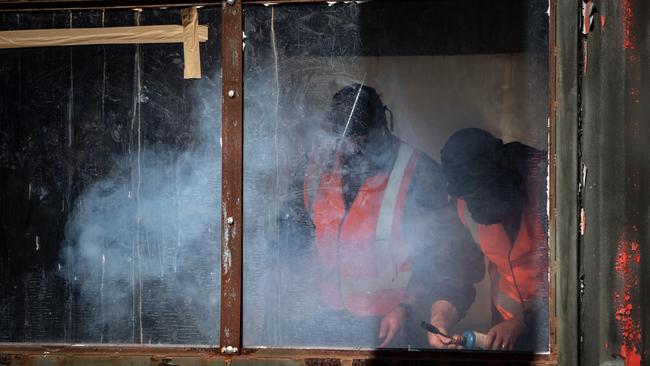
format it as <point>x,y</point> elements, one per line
<point>582,185</point>
<point>631,356</point>
<point>628,258</point>
<point>629,41</point>
<point>226,256</point>
<point>227,259</point>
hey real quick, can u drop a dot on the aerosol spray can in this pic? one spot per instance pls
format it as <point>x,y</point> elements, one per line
<point>471,340</point>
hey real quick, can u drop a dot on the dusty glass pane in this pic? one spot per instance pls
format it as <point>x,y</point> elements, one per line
<point>357,228</point>
<point>110,174</point>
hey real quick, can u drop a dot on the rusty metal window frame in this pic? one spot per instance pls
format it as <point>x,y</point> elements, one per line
<point>230,343</point>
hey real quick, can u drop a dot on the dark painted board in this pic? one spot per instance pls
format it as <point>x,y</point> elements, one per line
<point>614,248</point>
<point>10,137</point>
<point>566,235</point>
<point>640,151</point>
<point>35,181</point>
<point>602,150</point>
<point>103,148</point>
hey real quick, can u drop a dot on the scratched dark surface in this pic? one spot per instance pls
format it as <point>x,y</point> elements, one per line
<point>103,152</point>
<point>615,248</point>
<point>407,28</point>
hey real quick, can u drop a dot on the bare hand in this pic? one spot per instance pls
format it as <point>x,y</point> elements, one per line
<point>443,316</point>
<point>442,342</point>
<point>391,325</point>
<point>504,335</point>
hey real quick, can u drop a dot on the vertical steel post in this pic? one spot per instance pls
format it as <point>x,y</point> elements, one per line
<point>232,175</point>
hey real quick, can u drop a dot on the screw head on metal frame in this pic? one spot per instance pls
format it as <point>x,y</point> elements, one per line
<point>230,350</point>
<point>231,2</point>
<point>230,220</point>
<point>231,93</point>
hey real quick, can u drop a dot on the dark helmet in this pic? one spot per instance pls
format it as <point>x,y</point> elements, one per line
<point>361,106</point>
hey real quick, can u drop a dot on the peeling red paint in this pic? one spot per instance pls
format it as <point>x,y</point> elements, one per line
<point>628,257</point>
<point>629,41</point>
<point>627,263</point>
<point>587,16</point>
<point>631,356</point>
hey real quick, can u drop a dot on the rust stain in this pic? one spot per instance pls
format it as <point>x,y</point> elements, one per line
<point>628,259</point>
<point>602,22</point>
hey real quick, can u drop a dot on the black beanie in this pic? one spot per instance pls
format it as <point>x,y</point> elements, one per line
<point>470,159</point>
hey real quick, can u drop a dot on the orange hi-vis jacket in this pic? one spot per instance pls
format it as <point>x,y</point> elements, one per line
<point>365,260</point>
<point>517,269</point>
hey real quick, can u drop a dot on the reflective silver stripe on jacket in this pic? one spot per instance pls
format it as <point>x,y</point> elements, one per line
<point>387,277</point>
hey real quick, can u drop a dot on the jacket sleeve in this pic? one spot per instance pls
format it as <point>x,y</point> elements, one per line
<point>446,262</point>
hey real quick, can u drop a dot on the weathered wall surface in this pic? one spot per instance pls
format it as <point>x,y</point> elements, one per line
<point>564,242</point>
<point>616,192</point>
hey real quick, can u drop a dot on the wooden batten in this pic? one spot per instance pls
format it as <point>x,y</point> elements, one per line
<point>189,34</point>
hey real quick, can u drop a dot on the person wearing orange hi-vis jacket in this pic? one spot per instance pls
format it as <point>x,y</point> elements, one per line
<point>386,235</point>
<point>500,192</point>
